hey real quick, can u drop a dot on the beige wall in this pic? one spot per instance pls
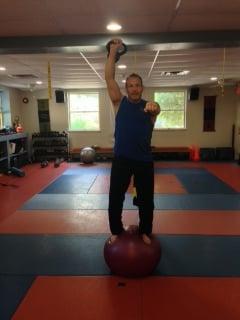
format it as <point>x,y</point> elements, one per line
<point>237,131</point>
<point>225,117</point>
<point>227,114</point>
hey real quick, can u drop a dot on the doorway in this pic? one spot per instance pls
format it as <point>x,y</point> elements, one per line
<point>43,115</point>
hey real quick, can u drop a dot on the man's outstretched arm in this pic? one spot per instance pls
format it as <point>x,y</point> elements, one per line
<point>154,109</point>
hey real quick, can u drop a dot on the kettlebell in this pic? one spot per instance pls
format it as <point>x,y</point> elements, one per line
<point>120,51</point>
<point>44,164</point>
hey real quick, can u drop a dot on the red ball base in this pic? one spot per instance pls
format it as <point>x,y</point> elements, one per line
<point>130,256</point>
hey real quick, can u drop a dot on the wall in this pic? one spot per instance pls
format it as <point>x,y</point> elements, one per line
<point>237,131</point>
<point>11,102</point>
<point>224,119</point>
<point>15,107</point>
<point>226,116</point>
<point>59,119</point>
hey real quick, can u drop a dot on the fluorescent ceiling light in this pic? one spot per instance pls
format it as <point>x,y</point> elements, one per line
<point>174,73</point>
<point>113,26</point>
<point>2,68</point>
<point>122,66</point>
<point>38,82</point>
<point>185,72</point>
<point>213,78</point>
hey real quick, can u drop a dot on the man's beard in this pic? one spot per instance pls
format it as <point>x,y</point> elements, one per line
<point>135,97</point>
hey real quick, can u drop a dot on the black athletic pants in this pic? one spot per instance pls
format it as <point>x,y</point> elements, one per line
<point>121,173</point>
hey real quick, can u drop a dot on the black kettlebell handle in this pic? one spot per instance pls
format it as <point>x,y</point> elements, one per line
<point>120,51</point>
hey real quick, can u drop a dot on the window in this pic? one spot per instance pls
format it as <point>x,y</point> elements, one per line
<point>173,109</point>
<point>5,113</point>
<point>84,111</point>
<point>1,113</point>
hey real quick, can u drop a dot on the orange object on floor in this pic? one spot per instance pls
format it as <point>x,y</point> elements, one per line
<point>194,153</point>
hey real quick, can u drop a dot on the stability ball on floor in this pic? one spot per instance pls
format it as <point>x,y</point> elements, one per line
<point>130,256</point>
<point>87,155</point>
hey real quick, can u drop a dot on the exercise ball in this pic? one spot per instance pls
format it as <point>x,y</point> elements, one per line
<point>130,256</point>
<point>87,155</point>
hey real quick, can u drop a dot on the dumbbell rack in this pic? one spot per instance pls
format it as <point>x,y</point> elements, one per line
<point>49,146</point>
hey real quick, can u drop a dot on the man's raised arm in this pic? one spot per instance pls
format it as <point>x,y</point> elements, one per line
<point>112,86</point>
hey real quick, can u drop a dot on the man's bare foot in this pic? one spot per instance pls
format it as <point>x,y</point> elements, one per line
<point>146,238</point>
<point>112,239</point>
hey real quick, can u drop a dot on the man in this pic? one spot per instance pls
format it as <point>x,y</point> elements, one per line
<point>135,120</point>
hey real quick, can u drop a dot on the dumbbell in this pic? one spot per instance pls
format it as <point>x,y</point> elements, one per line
<point>120,51</point>
<point>44,164</point>
<point>57,162</point>
<point>17,172</point>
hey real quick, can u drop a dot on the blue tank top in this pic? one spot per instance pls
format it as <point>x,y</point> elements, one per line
<point>133,131</point>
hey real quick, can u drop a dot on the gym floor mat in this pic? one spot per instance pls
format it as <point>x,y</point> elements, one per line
<point>71,184</point>
<point>198,180</point>
<point>162,202</point>
<point>83,255</point>
<point>96,222</point>
<point>116,298</point>
<point>12,289</point>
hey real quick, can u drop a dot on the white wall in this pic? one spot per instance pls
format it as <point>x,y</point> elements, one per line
<point>14,98</point>
<point>227,114</point>
<point>237,131</point>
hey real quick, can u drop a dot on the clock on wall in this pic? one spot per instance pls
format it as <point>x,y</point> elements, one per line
<point>25,100</point>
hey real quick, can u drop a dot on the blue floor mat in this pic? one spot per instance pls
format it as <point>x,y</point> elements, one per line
<point>71,184</point>
<point>194,180</point>
<point>198,180</point>
<point>180,170</point>
<point>12,290</point>
<point>204,183</point>
<point>162,202</point>
<point>83,255</point>
<point>82,170</point>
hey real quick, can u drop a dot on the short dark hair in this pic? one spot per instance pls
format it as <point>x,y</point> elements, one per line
<point>134,75</point>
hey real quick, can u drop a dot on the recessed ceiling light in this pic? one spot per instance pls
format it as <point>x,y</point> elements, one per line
<point>38,82</point>
<point>123,81</point>
<point>2,68</point>
<point>183,73</point>
<point>213,78</point>
<point>174,73</point>
<point>122,66</point>
<point>113,26</point>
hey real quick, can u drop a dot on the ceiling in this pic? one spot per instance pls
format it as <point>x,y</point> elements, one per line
<point>164,37</point>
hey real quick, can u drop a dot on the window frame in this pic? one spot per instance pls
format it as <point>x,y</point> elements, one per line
<point>165,90</point>
<point>1,113</point>
<point>85,92</point>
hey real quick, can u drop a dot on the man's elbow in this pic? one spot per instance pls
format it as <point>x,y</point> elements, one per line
<point>115,100</point>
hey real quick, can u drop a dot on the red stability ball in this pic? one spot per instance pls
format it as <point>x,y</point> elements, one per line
<point>130,256</point>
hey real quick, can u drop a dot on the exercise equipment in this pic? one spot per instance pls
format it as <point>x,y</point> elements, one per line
<point>57,162</point>
<point>130,256</point>
<point>87,155</point>
<point>17,172</point>
<point>120,51</point>
<point>44,164</point>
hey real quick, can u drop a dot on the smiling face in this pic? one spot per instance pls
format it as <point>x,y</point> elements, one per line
<point>134,88</point>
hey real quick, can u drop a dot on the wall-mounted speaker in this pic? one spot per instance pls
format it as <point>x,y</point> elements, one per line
<point>193,93</point>
<point>60,96</point>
